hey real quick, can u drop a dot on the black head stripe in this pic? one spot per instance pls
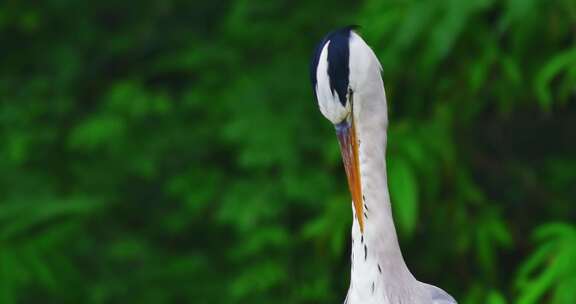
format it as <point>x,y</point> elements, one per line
<point>338,59</point>
<point>338,62</point>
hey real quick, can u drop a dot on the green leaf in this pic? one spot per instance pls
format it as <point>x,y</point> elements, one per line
<point>550,266</point>
<point>404,194</point>
<point>97,131</point>
<point>495,297</point>
<point>549,71</point>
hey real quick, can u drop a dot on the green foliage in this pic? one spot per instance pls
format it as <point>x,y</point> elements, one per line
<point>404,192</point>
<point>171,151</point>
<point>551,267</point>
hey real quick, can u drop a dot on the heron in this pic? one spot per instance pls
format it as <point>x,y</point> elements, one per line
<point>347,83</point>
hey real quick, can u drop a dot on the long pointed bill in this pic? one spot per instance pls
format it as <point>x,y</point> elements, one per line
<point>346,133</point>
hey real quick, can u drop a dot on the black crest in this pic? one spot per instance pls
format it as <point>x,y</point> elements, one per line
<point>338,61</point>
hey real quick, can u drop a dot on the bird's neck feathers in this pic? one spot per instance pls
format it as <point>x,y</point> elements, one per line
<point>378,269</point>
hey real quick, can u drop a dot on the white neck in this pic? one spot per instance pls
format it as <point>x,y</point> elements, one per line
<point>379,273</point>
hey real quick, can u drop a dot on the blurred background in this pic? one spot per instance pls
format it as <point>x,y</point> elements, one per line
<point>172,152</point>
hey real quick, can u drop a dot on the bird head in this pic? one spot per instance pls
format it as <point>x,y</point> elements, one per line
<point>334,86</point>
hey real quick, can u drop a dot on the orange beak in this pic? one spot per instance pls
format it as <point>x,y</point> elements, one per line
<point>346,133</point>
